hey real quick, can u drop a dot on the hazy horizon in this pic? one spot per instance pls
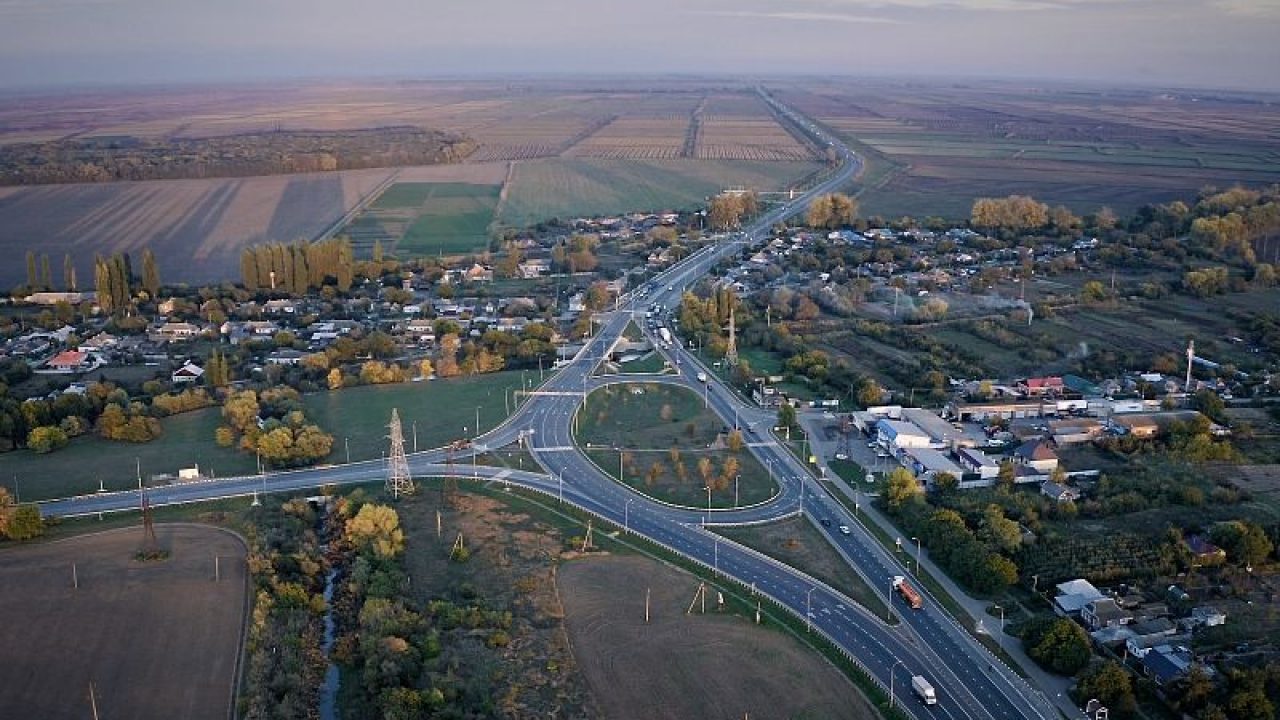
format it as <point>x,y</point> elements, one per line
<point>1226,44</point>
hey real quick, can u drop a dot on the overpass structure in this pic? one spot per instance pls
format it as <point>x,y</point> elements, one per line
<point>971,683</point>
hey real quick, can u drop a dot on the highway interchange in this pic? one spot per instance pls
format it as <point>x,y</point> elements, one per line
<point>971,684</point>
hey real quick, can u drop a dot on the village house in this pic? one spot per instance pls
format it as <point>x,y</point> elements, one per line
<point>1059,492</point>
<point>53,298</point>
<point>287,356</point>
<point>69,361</point>
<point>1036,454</point>
<point>174,332</point>
<point>280,307</point>
<point>980,469</point>
<point>1104,612</point>
<point>1073,595</point>
<point>1204,552</point>
<point>1041,386</point>
<point>534,268</point>
<point>188,373</point>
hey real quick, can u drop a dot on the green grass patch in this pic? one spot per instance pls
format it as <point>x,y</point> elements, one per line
<point>428,218</point>
<point>797,543</point>
<point>650,363</point>
<point>563,187</point>
<point>655,437</point>
<point>441,410</point>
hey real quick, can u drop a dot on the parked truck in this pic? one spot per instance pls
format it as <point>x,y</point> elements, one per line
<point>907,592</point>
<point>924,690</point>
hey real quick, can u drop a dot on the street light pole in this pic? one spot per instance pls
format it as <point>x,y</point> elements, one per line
<point>736,478</point>
<point>917,554</point>
<point>626,515</point>
<point>888,602</point>
<point>708,499</point>
<point>895,667</point>
<point>808,609</point>
<point>1000,637</point>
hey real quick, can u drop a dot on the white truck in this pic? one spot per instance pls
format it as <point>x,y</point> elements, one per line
<point>665,334</point>
<point>924,690</point>
<point>702,377</point>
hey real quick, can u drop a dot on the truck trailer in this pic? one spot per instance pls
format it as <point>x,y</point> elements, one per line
<point>924,690</point>
<point>907,592</point>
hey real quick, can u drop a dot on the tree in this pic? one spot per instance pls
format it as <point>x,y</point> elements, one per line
<point>735,441</point>
<point>1093,292</point>
<point>447,361</point>
<point>1058,644</point>
<point>831,211</point>
<point>786,415</point>
<point>32,278</point>
<point>425,369</point>
<point>68,273</point>
<point>334,379</point>
<point>46,439</point>
<point>1110,683</point>
<point>150,274</point>
<point>725,211</point>
<point>377,528</point>
<point>998,532</point>
<point>902,488</point>
<point>1007,475</point>
<point>704,470</point>
<point>870,393</point>
<point>1015,212</point>
<point>25,523</point>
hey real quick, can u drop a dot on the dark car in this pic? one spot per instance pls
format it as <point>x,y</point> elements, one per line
<point>826,522</point>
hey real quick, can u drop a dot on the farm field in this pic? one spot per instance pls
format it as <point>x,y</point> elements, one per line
<point>196,228</point>
<point>358,416</point>
<point>932,149</point>
<point>156,639</point>
<point>634,672</point>
<point>426,218</point>
<point>569,187</point>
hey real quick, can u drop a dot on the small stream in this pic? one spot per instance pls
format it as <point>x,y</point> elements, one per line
<point>329,689</point>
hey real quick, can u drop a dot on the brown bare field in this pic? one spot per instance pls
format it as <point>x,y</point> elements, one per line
<point>645,138</point>
<point>932,149</point>
<point>687,666</point>
<point>157,639</point>
<point>735,138</point>
<point>195,227</point>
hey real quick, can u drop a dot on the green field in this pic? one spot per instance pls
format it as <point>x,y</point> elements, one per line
<point>638,426</point>
<point>542,189</point>
<point>441,410</point>
<point>427,218</point>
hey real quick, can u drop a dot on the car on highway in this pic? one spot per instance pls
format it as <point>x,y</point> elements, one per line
<point>844,530</point>
<point>826,522</point>
<point>841,456</point>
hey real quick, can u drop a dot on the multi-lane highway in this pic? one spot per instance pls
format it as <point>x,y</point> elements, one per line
<point>970,683</point>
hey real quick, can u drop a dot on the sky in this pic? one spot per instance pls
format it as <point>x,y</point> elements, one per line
<point>1179,43</point>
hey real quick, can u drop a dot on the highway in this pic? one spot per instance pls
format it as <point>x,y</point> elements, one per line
<point>970,683</point>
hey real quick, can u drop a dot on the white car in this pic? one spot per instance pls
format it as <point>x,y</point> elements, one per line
<point>841,456</point>
<point>844,530</point>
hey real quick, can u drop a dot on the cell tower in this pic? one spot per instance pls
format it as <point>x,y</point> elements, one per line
<point>398,480</point>
<point>731,353</point>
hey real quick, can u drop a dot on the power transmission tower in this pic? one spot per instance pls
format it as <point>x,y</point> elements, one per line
<point>731,353</point>
<point>398,480</point>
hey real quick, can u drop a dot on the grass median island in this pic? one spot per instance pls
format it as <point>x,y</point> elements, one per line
<point>798,544</point>
<point>669,446</point>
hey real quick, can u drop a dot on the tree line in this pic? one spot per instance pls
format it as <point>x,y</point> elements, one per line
<point>299,267</point>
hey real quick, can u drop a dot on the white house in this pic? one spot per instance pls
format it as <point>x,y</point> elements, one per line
<point>188,373</point>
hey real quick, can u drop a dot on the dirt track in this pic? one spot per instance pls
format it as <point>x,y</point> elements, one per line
<point>157,639</point>
<point>688,666</point>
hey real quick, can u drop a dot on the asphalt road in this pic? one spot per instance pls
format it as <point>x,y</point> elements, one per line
<point>970,684</point>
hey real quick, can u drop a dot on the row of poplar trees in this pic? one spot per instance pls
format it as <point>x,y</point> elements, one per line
<point>114,280</point>
<point>299,267</point>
